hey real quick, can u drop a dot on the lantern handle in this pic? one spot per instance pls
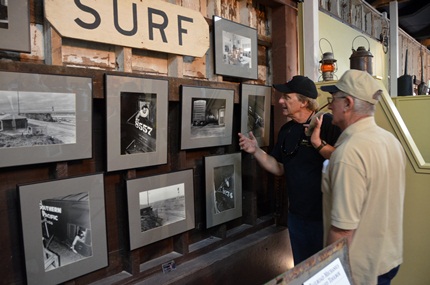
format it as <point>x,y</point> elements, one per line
<point>328,43</point>
<point>368,44</point>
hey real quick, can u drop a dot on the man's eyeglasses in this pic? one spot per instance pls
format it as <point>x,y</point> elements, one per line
<point>331,99</point>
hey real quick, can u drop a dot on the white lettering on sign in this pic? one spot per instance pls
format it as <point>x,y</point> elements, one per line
<point>150,24</point>
<point>332,274</point>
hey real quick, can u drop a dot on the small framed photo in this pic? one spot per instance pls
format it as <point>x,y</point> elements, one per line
<point>64,228</point>
<point>15,25</point>
<point>207,117</point>
<point>137,111</point>
<point>235,49</point>
<point>256,102</point>
<point>44,118</point>
<point>160,206</point>
<point>223,175</point>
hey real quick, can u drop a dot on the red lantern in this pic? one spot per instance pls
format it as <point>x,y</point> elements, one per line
<point>328,64</point>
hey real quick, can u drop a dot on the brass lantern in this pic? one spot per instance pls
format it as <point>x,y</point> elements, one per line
<point>328,64</point>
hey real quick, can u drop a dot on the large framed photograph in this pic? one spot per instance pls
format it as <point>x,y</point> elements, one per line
<point>44,118</point>
<point>15,25</point>
<point>160,206</point>
<point>64,228</point>
<point>207,117</point>
<point>223,175</point>
<point>235,49</point>
<point>137,111</point>
<point>255,116</point>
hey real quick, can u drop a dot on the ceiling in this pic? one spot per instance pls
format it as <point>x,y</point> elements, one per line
<point>414,17</point>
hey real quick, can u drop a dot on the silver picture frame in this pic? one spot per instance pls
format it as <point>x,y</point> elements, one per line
<point>223,178</point>
<point>15,26</point>
<point>137,111</point>
<point>64,228</point>
<point>236,49</point>
<point>207,117</point>
<point>255,112</point>
<point>160,206</point>
<point>44,118</point>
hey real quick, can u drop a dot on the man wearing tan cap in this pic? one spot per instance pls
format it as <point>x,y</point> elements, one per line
<point>364,185</point>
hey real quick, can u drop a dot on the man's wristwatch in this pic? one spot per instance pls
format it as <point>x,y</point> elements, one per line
<point>323,144</point>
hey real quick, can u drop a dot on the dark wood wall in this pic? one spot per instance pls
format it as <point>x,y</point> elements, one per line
<point>263,201</point>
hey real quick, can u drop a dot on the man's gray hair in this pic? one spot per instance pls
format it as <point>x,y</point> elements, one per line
<point>312,103</point>
<point>364,107</point>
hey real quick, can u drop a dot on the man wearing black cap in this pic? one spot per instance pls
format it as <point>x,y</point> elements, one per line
<point>301,161</point>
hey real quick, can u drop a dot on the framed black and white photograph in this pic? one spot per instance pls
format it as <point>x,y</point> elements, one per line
<point>44,118</point>
<point>255,115</point>
<point>15,25</point>
<point>223,176</point>
<point>137,111</point>
<point>64,228</point>
<point>235,49</point>
<point>160,206</point>
<point>207,117</point>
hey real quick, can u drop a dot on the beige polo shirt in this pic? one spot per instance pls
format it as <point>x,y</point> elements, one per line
<point>363,189</point>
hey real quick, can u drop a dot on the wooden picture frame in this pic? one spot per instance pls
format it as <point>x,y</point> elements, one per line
<point>44,118</point>
<point>137,111</point>
<point>223,176</point>
<point>207,117</point>
<point>15,26</point>
<point>64,228</point>
<point>255,114</point>
<point>236,49</point>
<point>160,206</point>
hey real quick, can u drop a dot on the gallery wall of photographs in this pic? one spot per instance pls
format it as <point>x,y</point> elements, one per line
<point>105,172</point>
<point>170,148</point>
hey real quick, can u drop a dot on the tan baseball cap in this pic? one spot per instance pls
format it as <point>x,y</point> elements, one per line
<point>357,83</point>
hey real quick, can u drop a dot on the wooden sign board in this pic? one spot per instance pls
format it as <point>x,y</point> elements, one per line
<point>330,266</point>
<point>150,24</point>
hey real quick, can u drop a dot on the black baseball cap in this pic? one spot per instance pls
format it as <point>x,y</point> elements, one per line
<point>299,84</point>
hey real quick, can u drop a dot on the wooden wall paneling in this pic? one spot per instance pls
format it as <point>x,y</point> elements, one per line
<point>230,10</point>
<point>150,62</point>
<point>53,45</point>
<point>175,65</point>
<point>95,55</point>
<point>124,58</point>
<point>194,67</point>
